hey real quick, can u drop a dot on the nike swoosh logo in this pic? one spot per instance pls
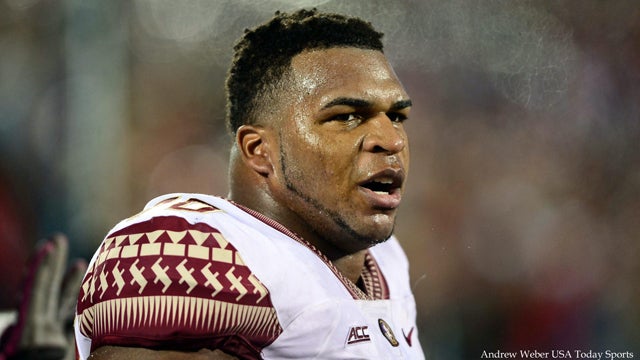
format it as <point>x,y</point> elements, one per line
<point>408,336</point>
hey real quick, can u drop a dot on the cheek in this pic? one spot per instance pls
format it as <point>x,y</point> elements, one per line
<point>338,156</point>
<point>310,140</point>
<point>323,158</point>
<point>322,165</point>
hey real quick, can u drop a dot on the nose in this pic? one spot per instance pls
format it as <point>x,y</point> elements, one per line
<point>384,135</point>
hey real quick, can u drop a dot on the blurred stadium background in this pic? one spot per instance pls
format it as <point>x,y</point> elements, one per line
<point>522,214</point>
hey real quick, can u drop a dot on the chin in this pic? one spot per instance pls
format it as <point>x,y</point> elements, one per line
<point>364,231</point>
<point>381,226</point>
<point>376,241</point>
<point>371,238</point>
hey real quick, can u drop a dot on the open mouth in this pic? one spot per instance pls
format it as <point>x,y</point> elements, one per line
<point>383,190</point>
<point>381,186</point>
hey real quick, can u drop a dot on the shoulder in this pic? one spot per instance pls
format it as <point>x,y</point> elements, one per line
<point>390,253</point>
<point>169,276</point>
<point>394,265</point>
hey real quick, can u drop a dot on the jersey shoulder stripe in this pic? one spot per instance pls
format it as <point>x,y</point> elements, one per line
<point>172,282</point>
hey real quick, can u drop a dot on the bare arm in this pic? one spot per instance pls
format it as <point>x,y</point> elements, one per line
<point>129,353</point>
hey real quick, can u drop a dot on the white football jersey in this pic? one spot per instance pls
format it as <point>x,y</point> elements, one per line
<point>194,271</point>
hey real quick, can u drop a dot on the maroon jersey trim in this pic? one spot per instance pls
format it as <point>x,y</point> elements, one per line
<point>373,280</point>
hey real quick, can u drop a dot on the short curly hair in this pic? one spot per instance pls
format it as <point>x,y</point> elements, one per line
<point>263,55</point>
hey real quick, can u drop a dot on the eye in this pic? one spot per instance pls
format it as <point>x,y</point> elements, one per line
<point>350,117</point>
<point>397,117</point>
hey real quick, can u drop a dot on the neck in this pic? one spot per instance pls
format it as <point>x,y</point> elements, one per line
<point>351,265</point>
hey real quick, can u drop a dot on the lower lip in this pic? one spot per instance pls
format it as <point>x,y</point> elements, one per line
<point>387,201</point>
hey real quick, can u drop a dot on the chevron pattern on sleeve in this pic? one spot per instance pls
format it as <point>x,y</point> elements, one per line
<point>166,280</point>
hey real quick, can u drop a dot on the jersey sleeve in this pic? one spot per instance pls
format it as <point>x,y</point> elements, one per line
<point>170,283</point>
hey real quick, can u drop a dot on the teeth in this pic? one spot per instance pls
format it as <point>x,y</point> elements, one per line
<point>382,192</point>
<point>384,181</point>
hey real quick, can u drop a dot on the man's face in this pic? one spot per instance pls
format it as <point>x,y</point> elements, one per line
<point>343,149</point>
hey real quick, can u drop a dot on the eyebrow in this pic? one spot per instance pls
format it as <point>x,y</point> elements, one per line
<point>402,104</point>
<point>360,103</point>
<point>345,101</point>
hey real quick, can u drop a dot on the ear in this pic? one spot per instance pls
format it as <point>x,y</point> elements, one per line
<point>253,145</point>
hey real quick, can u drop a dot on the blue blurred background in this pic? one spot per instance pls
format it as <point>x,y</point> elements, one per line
<point>522,214</point>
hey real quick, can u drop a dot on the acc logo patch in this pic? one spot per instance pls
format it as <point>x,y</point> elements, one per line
<point>358,334</point>
<point>388,333</point>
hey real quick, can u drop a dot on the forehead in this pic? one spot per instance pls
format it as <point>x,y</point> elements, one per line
<point>329,73</point>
